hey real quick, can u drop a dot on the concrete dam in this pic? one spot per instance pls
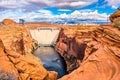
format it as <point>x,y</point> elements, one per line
<point>46,36</point>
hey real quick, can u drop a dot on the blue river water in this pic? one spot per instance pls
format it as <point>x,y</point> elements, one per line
<point>51,60</point>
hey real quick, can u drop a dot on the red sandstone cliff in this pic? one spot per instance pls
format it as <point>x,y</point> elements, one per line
<point>101,58</point>
<point>18,67</point>
<point>17,39</point>
<point>16,59</point>
<point>72,44</point>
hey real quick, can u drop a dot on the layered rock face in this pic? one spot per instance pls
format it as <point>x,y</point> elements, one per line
<point>102,56</point>
<point>115,16</point>
<point>6,67</point>
<point>72,44</point>
<point>115,19</point>
<point>17,39</point>
<point>18,67</point>
<point>16,59</point>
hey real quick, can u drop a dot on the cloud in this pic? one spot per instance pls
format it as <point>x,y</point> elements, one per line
<point>63,3</point>
<point>48,16</point>
<point>84,15</point>
<point>10,14</point>
<point>27,16</point>
<point>42,11</point>
<point>113,3</point>
<point>14,4</point>
<point>33,10</point>
<point>64,10</point>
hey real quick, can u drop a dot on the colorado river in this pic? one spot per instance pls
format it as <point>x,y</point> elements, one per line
<point>51,60</point>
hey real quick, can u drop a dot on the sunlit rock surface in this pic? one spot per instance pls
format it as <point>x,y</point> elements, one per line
<point>95,52</point>
<point>8,22</point>
<point>72,44</point>
<point>102,57</point>
<point>17,61</point>
<point>6,67</point>
<point>115,16</point>
<point>23,67</point>
<point>17,39</point>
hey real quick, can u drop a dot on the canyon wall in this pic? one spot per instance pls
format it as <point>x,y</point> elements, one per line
<point>72,44</point>
<point>17,39</point>
<point>98,53</point>
<point>16,59</point>
<point>91,53</point>
<point>15,66</point>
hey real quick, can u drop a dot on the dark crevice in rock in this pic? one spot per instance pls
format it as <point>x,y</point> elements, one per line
<point>71,62</point>
<point>13,63</point>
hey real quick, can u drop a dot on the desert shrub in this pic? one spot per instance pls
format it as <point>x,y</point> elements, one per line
<point>117,24</point>
<point>7,76</point>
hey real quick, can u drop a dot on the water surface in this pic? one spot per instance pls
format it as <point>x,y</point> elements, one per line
<point>51,60</point>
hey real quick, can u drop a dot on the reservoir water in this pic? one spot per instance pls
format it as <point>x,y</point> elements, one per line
<point>51,60</point>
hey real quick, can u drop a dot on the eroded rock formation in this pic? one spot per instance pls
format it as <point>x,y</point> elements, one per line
<point>8,22</point>
<point>115,16</point>
<point>72,44</point>
<point>16,59</point>
<point>5,65</point>
<point>102,56</point>
<point>23,67</point>
<point>115,19</point>
<point>17,39</point>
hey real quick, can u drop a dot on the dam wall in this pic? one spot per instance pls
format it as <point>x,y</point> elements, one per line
<point>46,36</point>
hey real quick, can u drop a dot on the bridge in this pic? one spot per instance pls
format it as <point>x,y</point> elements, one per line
<point>46,36</point>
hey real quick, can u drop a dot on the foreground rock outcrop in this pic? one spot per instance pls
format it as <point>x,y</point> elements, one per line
<point>16,59</point>
<point>6,67</point>
<point>102,56</point>
<point>23,67</point>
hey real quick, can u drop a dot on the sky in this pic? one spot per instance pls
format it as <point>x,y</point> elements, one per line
<point>58,11</point>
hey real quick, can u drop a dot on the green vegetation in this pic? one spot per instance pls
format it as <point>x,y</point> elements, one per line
<point>117,24</point>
